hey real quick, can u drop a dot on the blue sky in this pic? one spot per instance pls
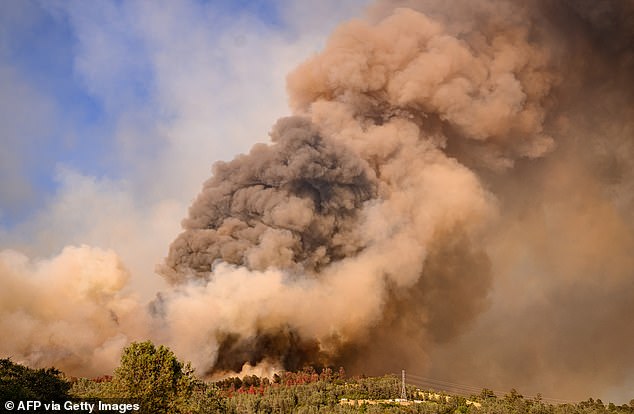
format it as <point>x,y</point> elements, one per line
<point>112,112</point>
<point>42,50</point>
<point>38,51</point>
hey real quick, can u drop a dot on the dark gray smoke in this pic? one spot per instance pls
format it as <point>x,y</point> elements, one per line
<point>292,205</point>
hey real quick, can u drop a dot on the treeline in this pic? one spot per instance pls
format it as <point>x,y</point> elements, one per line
<point>159,382</point>
<point>293,393</point>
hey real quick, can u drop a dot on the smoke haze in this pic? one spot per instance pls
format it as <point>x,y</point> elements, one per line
<point>80,321</point>
<point>452,194</point>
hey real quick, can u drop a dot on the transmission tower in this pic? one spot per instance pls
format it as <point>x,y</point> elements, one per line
<point>403,390</point>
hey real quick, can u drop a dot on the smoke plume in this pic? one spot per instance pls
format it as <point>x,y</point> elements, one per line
<point>453,194</point>
<point>357,226</point>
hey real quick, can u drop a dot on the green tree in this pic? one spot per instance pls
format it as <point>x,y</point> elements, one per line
<point>155,377</point>
<point>487,393</point>
<point>18,382</point>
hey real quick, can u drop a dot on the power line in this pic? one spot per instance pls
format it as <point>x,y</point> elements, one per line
<point>467,390</point>
<point>443,384</point>
<point>464,391</point>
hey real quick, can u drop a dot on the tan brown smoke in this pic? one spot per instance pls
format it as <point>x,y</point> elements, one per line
<point>69,311</point>
<point>561,248</point>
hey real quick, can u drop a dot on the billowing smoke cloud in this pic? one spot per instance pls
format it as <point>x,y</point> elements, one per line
<point>292,205</point>
<point>314,249</point>
<point>365,228</point>
<point>453,194</point>
<point>467,198</point>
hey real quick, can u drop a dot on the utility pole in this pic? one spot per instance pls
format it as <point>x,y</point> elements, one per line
<point>403,391</point>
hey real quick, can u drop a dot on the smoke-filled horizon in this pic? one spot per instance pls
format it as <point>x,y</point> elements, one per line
<point>452,193</point>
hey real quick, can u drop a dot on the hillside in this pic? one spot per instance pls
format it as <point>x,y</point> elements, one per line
<point>312,392</point>
<point>155,379</point>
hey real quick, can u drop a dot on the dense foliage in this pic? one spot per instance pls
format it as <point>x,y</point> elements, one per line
<point>161,383</point>
<point>155,377</point>
<point>19,383</point>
